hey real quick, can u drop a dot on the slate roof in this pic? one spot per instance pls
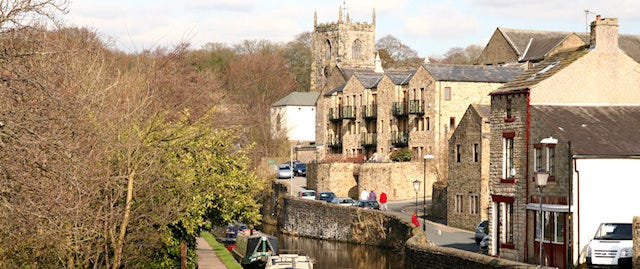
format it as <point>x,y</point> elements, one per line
<point>347,72</point>
<point>542,42</point>
<point>541,71</point>
<point>472,73</point>
<point>298,99</point>
<point>400,77</point>
<point>594,130</point>
<point>336,89</point>
<point>483,110</point>
<point>369,81</point>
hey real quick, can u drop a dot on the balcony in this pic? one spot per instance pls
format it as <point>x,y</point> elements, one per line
<point>334,141</point>
<point>370,112</point>
<point>400,109</point>
<point>349,112</point>
<point>334,114</point>
<point>400,139</point>
<point>416,107</point>
<point>369,140</point>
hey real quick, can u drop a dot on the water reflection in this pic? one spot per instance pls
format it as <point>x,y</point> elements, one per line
<point>330,255</point>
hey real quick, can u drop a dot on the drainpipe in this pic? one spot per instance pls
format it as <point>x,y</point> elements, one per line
<point>526,177</point>
<point>575,169</point>
<point>569,236</point>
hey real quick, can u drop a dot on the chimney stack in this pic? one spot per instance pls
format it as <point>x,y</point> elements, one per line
<point>604,34</point>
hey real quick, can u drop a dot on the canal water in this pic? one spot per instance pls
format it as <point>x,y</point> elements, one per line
<point>337,255</point>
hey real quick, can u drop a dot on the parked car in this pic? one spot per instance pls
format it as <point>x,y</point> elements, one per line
<point>284,171</point>
<point>368,204</point>
<point>300,169</point>
<point>326,196</point>
<point>484,245</point>
<point>343,201</point>
<point>612,246</point>
<point>307,194</point>
<point>481,230</point>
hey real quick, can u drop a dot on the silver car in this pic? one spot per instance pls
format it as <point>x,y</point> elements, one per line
<point>284,171</point>
<point>343,201</point>
<point>481,231</point>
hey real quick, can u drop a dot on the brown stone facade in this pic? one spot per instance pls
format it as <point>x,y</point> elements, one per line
<point>468,185</point>
<point>497,51</point>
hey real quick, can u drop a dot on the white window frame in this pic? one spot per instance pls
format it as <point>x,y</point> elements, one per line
<point>508,170</point>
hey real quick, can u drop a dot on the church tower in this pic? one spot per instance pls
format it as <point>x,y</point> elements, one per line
<point>344,43</point>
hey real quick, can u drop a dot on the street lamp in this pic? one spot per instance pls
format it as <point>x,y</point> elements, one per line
<point>416,187</point>
<point>424,193</point>
<point>542,176</point>
<point>541,180</point>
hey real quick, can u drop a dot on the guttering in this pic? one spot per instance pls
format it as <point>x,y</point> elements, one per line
<point>600,156</point>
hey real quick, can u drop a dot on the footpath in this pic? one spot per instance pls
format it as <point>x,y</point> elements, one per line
<point>207,258</point>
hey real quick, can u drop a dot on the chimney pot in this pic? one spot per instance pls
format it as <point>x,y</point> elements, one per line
<point>597,17</point>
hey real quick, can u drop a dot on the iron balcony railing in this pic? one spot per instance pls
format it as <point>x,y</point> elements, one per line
<point>349,112</point>
<point>368,140</point>
<point>334,114</point>
<point>334,141</point>
<point>416,107</point>
<point>369,112</point>
<point>400,139</point>
<point>399,109</point>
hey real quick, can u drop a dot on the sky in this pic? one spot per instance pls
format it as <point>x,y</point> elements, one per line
<point>429,27</point>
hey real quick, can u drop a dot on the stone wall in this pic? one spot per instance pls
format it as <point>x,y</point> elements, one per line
<point>439,200</point>
<point>419,255</point>
<point>636,242</point>
<point>349,179</point>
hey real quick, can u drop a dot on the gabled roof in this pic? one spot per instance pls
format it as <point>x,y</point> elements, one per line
<point>532,45</point>
<point>594,130</point>
<point>483,110</point>
<point>369,81</point>
<point>472,73</point>
<point>336,89</point>
<point>400,77</point>
<point>347,71</point>
<point>298,99</point>
<point>541,71</point>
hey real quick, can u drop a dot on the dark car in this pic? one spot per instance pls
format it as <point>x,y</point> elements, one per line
<point>300,169</point>
<point>368,204</point>
<point>481,230</point>
<point>326,196</point>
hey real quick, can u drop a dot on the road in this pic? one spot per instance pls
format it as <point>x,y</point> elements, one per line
<point>438,233</point>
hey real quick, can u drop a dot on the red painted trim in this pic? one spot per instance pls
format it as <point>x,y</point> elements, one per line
<point>551,145</point>
<point>512,119</point>
<point>507,245</point>
<point>503,199</point>
<point>552,179</point>
<point>527,138</point>
<point>508,180</point>
<point>511,134</point>
<point>537,146</point>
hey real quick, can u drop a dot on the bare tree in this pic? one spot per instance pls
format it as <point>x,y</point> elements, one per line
<point>459,55</point>
<point>15,13</point>
<point>395,54</point>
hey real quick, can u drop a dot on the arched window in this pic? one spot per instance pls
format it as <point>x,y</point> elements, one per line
<point>328,50</point>
<point>356,49</point>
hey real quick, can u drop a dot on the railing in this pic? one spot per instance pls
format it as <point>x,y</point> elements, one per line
<point>334,114</point>
<point>334,141</point>
<point>399,109</point>
<point>400,139</point>
<point>349,112</point>
<point>416,107</point>
<point>368,140</point>
<point>370,112</point>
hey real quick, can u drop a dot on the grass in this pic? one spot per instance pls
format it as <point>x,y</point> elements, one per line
<point>225,256</point>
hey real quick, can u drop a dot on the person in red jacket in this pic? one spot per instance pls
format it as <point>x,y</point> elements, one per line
<point>414,219</point>
<point>383,201</point>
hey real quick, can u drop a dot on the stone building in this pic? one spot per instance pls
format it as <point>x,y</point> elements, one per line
<point>468,188</point>
<point>579,95</point>
<point>512,46</point>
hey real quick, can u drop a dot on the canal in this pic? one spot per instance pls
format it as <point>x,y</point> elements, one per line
<point>333,255</point>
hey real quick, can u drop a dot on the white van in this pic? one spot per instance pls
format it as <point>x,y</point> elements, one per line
<point>611,246</point>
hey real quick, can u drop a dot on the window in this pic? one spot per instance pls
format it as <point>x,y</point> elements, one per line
<point>509,115</point>
<point>474,204</point>
<point>356,50</point>
<point>452,123</point>
<point>476,153</point>
<point>507,153</point>
<point>328,50</point>
<point>428,123</point>
<point>537,161</point>
<point>553,226</point>
<point>551,152</point>
<point>447,93</point>
<point>506,223</point>
<point>458,203</point>
<point>457,153</point>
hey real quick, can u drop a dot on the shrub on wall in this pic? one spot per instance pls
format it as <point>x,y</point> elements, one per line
<point>402,155</point>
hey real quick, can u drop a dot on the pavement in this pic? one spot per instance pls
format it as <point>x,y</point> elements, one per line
<point>207,258</point>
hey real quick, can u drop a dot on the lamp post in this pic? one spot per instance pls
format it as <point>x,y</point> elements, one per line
<point>424,193</point>
<point>542,176</point>
<point>416,187</point>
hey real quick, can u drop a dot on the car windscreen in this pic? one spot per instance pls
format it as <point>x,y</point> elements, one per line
<point>614,231</point>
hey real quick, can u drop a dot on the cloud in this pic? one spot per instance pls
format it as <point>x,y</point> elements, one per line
<point>443,21</point>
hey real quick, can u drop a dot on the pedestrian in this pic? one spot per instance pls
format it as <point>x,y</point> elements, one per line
<point>414,219</point>
<point>372,196</point>
<point>383,201</point>
<point>364,195</point>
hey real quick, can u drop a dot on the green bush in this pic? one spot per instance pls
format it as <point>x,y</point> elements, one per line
<point>402,155</point>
